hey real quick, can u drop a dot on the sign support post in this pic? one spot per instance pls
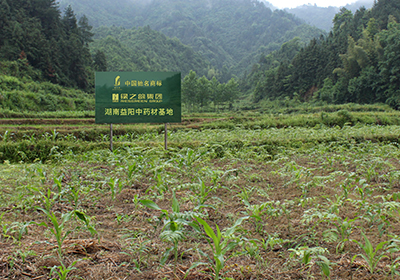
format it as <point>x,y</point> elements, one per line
<point>165,136</point>
<point>111,137</point>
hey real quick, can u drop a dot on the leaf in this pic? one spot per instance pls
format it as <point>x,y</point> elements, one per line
<point>195,226</point>
<point>208,230</point>
<point>325,268</point>
<point>173,226</point>
<point>81,216</point>
<point>230,246</point>
<point>150,204</point>
<point>194,266</point>
<point>175,203</point>
<point>165,256</point>
<point>232,229</point>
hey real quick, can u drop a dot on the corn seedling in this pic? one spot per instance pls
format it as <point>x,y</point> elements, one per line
<point>57,226</point>
<point>370,254</point>
<point>220,243</point>
<point>341,232</point>
<point>201,194</point>
<point>189,158</point>
<point>257,211</point>
<point>286,210</point>
<point>113,184</point>
<point>272,240</point>
<point>23,254</point>
<point>62,271</point>
<point>21,228</point>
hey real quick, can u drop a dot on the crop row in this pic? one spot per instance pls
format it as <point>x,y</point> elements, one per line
<point>322,210</point>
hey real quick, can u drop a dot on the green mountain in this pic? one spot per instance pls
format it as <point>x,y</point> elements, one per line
<point>322,17</point>
<point>229,34</point>
<point>143,49</point>
<point>357,62</point>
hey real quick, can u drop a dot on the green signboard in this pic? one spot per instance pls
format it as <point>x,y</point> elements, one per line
<point>138,97</point>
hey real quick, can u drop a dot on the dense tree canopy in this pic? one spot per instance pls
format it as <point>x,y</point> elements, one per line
<point>56,44</point>
<point>357,62</point>
<point>229,34</point>
<point>143,49</point>
<point>212,42</point>
<point>200,93</point>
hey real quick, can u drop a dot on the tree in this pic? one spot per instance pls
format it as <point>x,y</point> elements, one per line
<point>203,94</point>
<point>69,21</point>
<point>231,92</point>
<point>215,92</point>
<point>190,89</point>
<point>389,65</point>
<point>100,61</point>
<point>85,30</point>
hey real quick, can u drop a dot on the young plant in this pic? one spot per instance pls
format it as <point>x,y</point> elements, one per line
<point>62,271</point>
<point>305,254</point>
<point>20,227</point>
<point>136,251</point>
<point>174,222</point>
<point>341,232</point>
<point>370,255</point>
<point>286,209</point>
<point>57,226</point>
<point>325,266</point>
<point>220,243</point>
<point>202,194</point>
<point>257,211</point>
<point>113,184</point>
<point>272,240</point>
<point>23,254</point>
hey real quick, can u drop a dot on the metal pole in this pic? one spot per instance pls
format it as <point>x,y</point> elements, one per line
<point>165,136</point>
<point>111,137</point>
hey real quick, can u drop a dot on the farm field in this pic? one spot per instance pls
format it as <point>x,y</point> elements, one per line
<point>311,195</point>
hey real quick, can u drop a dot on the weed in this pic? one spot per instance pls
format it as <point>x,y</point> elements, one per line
<point>174,221</point>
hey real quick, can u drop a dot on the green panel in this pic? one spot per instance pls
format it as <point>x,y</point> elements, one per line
<point>138,97</point>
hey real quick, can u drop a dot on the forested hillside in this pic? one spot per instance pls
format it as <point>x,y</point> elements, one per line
<point>357,62</point>
<point>322,17</point>
<point>143,49</point>
<point>55,43</point>
<point>230,34</point>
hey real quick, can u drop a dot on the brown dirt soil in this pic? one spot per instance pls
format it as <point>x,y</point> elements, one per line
<point>124,227</point>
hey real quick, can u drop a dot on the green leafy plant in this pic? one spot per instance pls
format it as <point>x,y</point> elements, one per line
<point>304,254</point>
<point>57,225</point>
<point>114,184</point>
<point>23,254</point>
<point>326,265</point>
<point>21,228</point>
<point>341,231</point>
<point>202,194</point>
<point>62,271</point>
<point>370,254</point>
<point>137,250</point>
<point>174,221</point>
<point>220,243</point>
<point>271,241</point>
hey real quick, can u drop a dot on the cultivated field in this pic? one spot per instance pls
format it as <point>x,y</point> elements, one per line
<point>254,196</point>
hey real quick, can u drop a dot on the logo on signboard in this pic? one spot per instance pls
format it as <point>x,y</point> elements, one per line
<point>117,81</point>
